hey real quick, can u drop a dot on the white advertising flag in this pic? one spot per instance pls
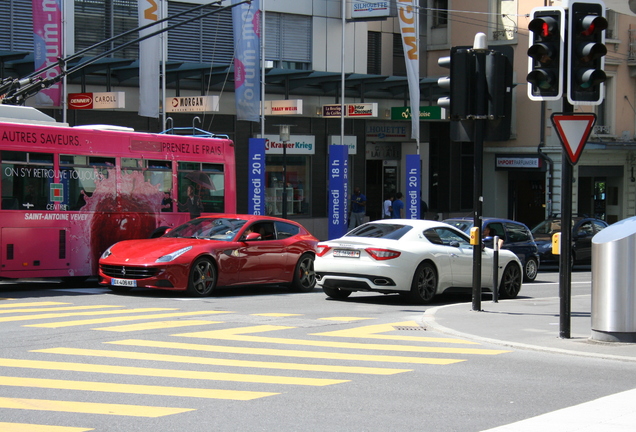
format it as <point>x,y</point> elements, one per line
<point>149,56</point>
<point>408,17</point>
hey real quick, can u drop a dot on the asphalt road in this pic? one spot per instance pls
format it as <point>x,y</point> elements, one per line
<point>264,359</point>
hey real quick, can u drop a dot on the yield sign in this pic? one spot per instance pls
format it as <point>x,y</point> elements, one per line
<point>573,130</point>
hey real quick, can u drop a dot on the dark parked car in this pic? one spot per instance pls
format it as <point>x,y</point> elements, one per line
<point>516,237</point>
<point>583,229</point>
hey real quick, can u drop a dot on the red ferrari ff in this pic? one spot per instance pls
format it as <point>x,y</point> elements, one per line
<point>211,251</point>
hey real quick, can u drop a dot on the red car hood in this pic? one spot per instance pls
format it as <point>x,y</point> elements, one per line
<point>147,251</point>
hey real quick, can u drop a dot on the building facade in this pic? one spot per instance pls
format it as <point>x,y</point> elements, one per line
<point>304,62</point>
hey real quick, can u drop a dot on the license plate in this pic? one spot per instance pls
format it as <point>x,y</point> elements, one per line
<point>124,282</point>
<point>345,253</point>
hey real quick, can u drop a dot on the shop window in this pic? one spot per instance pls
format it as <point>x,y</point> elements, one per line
<point>298,169</point>
<point>26,180</point>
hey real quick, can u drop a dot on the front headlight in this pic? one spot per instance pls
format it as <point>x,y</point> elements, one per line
<point>173,255</point>
<point>106,253</point>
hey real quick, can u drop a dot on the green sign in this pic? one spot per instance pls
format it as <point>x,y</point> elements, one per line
<point>57,192</point>
<point>426,113</point>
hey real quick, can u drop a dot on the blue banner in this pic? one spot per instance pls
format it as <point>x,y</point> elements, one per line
<point>246,20</point>
<point>413,187</point>
<point>338,190</point>
<point>256,177</point>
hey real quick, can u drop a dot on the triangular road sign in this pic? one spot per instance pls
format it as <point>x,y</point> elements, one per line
<point>573,129</point>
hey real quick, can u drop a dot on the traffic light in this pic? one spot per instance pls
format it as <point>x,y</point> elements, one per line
<point>460,83</point>
<point>545,63</point>
<point>586,53</point>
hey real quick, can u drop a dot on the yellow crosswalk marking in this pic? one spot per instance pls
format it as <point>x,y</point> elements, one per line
<point>89,407</point>
<point>166,373</point>
<point>347,319</point>
<point>221,362</point>
<point>29,304</point>
<point>238,334</point>
<point>55,309</point>
<point>70,314</point>
<point>25,427</point>
<point>60,324</point>
<point>288,353</point>
<point>155,325</point>
<point>132,388</point>
<point>370,332</point>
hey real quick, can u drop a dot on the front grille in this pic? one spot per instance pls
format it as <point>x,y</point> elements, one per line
<point>128,272</point>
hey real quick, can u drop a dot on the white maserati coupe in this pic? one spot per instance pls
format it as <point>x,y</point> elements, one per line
<point>417,258</point>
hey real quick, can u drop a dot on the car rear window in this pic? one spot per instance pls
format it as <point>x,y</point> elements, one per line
<point>385,231</point>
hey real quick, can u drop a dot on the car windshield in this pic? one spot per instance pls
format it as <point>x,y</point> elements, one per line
<point>462,225</point>
<point>224,229</point>
<point>376,230</point>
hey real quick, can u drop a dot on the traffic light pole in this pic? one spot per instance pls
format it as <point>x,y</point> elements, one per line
<point>565,258</point>
<point>480,118</point>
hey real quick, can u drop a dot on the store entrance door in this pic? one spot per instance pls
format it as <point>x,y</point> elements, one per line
<point>382,182</point>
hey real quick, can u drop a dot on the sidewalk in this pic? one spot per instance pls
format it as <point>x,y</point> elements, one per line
<point>536,325</point>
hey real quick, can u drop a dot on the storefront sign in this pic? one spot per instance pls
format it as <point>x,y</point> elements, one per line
<point>388,132</point>
<point>99,100</point>
<point>297,144</point>
<point>256,176</point>
<point>412,204</point>
<point>351,110</point>
<point>383,151</point>
<point>516,162</point>
<point>192,104</point>
<point>350,141</point>
<point>372,10</point>
<point>426,113</point>
<point>284,107</point>
<point>338,201</point>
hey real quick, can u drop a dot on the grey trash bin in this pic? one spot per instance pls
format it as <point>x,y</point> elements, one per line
<point>614,283</point>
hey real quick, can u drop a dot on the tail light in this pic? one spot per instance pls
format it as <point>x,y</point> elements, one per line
<point>322,249</point>
<point>382,254</point>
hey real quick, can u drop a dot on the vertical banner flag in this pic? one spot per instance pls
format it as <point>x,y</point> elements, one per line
<point>408,16</point>
<point>413,187</point>
<point>47,41</point>
<point>246,19</point>
<point>149,54</point>
<point>256,205</point>
<point>338,190</point>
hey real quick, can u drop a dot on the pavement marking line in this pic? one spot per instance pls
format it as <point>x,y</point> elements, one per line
<point>167,373</point>
<point>347,319</point>
<point>370,332</point>
<point>274,314</point>
<point>60,324</point>
<point>156,325</point>
<point>55,309</point>
<point>25,427</point>
<point>89,407</point>
<point>288,353</point>
<point>70,314</point>
<point>237,334</point>
<point>11,305</point>
<point>132,388</point>
<point>221,362</point>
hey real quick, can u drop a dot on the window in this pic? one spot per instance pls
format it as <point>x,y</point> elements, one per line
<point>298,180</point>
<point>399,65</point>
<point>83,176</point>
<point>155,173</point>
<point>17,19</point>
<point>288,40</point>
<point>98,20</point>
<point>439,14</point>
<point>285,230</point>
<point>207,182</point>
<point>374,53</point>
<point>518,233</point>
<point>26,180</point>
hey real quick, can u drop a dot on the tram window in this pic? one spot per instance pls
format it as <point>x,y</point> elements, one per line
<point>26,180</point>
<point>208,182</point>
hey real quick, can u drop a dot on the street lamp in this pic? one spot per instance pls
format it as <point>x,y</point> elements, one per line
<point>284,132</point>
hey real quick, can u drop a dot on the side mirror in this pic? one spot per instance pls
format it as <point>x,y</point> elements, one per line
<point>253,236</point>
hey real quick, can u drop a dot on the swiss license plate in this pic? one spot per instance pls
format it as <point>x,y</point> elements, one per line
<point>346,253</point>
<point>124,282</point>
